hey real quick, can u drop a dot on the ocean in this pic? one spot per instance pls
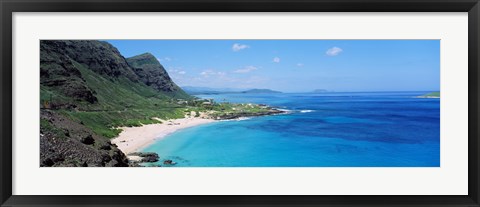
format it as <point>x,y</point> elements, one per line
<point>376,129</point>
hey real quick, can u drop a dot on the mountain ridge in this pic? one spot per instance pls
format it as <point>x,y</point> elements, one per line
<point>151,72</point>
<point>87,91</point>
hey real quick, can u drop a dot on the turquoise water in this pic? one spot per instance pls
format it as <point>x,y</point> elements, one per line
<point>322,130</point>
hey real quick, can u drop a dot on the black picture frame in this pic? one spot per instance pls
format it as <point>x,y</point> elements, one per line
<point>7,7</point>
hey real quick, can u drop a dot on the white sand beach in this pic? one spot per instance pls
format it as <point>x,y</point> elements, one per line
<point>132,139</point>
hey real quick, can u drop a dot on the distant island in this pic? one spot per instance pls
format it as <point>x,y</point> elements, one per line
<point>261,91</point>
<point>320,91</point>
<point>430,95</point>
<point>192,90</point>
<point>195,90</point>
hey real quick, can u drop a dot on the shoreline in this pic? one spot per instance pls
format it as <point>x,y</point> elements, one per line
<point>133,139</point>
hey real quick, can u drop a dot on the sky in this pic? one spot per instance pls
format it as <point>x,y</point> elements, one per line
<point>296,65</point>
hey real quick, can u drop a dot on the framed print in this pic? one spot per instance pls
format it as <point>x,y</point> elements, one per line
<point>194,103</point>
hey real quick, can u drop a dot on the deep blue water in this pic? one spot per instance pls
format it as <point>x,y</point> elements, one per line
<point>323,130</point>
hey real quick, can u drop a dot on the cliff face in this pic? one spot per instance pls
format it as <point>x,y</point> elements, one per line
<point>153,74</point>
<point>87,90</point>
<point>100,57</point>
<point>59,71</point>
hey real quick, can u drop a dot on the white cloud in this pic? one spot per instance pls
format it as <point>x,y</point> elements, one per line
<point>334,51</point>
<point>237,47</point>
<point>218,79</point>
<point>246,69</point>
<point>276,59</point>
<point>176,70</point>
<point>179,75</point>
<point>165,59</point>
<point>208,73</point>
<point>300,65</point>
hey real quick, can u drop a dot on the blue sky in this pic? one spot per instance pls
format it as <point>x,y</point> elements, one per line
<point>297,65</point>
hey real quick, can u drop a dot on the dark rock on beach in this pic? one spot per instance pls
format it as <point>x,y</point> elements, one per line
<point>169,162</point>
<point>107,146</point>
<point>146,156</point>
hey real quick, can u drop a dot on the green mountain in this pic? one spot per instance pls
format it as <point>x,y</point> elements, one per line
<point>91,86</point>
<point>152,73</point>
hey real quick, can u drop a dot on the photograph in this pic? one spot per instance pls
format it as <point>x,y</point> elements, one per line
<point>240,103</point>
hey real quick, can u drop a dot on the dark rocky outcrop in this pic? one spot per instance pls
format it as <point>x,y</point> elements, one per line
<point>248,114</point>
<point>88,140</point>
<point>57,149</point>
<point>107,146</point>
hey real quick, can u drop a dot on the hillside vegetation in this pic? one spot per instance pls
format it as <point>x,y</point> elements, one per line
<point>88,90</point>
<point>91,86</point>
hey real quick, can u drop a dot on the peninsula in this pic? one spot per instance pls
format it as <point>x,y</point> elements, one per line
<point>430,95</point>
